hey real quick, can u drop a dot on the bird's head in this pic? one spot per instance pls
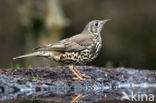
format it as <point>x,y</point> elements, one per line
<point>95,26</point>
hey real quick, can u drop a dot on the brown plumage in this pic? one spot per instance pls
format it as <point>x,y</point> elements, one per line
<point>79,49</point>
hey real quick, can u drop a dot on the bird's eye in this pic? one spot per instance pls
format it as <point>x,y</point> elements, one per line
<point>96,24</point>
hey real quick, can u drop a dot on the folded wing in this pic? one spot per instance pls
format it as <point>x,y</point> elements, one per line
<point>75,43</point>
<point>62,46</point>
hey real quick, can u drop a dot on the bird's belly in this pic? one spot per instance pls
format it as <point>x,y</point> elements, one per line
<point>76,57</point>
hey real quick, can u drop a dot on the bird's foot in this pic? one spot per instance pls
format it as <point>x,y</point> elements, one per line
<point>82,77</point>
<point>78,79</point>
<point>86,76</point>
<point>78,75</point>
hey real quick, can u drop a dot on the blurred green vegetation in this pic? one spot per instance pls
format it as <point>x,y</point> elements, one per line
<point>35,77</point>
<point>13,66</point>
<point>129,40</point>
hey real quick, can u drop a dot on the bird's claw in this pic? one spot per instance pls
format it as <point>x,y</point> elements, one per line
<point>82,77</point>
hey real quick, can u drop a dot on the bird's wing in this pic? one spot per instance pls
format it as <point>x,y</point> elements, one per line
<point>75,43</point>
<point>62,46</point>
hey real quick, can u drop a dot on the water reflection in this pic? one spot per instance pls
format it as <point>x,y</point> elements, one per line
<point>129,95</point>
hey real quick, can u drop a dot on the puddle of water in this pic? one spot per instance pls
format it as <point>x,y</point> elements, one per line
<point>38,101</point>
<point>127,95</point>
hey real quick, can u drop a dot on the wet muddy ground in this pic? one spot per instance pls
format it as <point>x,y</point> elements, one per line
<point>55,84</point>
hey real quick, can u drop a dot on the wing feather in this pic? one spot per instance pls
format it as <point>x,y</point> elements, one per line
<point>61,46</point>
<point>75,43</point>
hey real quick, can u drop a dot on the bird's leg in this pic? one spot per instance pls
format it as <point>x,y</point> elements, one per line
<point>78,74</point>
<point>82,75</point>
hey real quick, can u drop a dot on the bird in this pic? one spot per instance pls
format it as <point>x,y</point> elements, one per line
<point>79,49</point>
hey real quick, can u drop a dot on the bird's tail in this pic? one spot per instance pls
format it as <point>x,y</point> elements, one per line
<point>31,54</point>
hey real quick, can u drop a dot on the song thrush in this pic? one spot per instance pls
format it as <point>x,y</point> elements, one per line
<point>79,49</point>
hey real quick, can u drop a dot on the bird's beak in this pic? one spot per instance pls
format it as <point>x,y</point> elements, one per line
<point>106,20</point>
